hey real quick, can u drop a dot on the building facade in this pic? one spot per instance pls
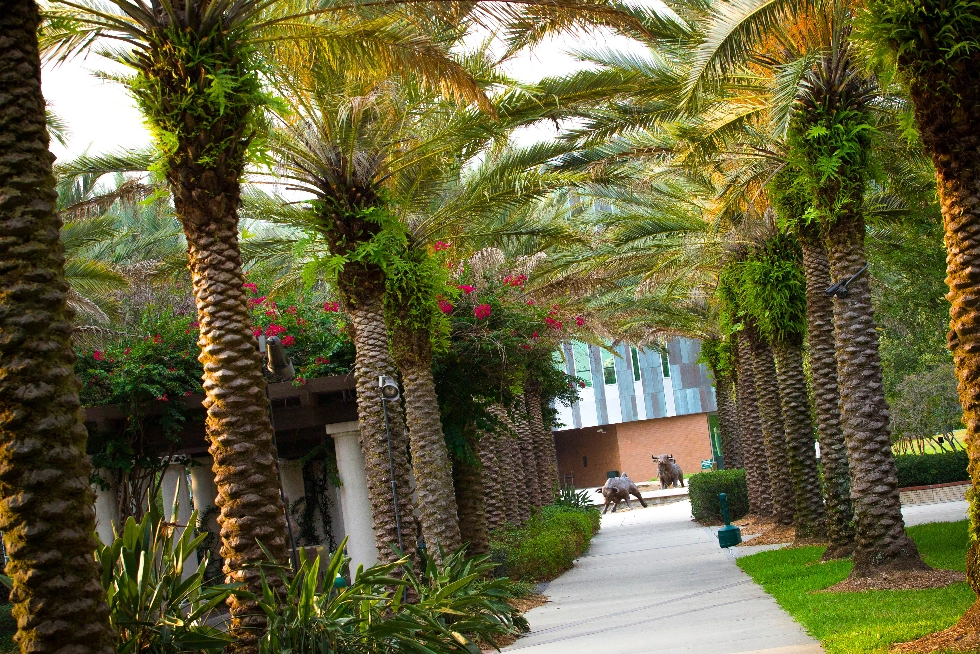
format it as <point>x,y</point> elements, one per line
<point>635,403</point>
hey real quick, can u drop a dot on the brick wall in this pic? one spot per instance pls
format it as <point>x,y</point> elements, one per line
<point>686,437</point>
<point>600,451</point>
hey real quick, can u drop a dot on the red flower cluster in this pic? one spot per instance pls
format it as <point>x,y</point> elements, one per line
<point>322,360</point>
<point>530,303</point>
<point>163,398</point>
<point>252,287</point>
<point>440,246</point>
<point>274,330</point>
<point>515,280</point>
<point>271,313</point>
<point>98,356</point>
<point>288,340</point>
<point>157,338</point>
<point>466,288</point>
<point>255,301</point>
<point>291,309</point>
<point>579,320</point>
<point>482,311</point>
<point>445,307</point>
<point>554,324</point>
<point>331,307</point>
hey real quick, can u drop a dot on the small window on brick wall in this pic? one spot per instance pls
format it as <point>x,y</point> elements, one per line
<point>585,462</point>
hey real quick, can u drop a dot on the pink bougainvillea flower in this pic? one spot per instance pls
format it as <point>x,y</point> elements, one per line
<point>525,346</point>
<point>251,286</point>
<point>256,332</point>
<point>271,313</point>
<point>288,340</point>
<point>126,351</point>
<point>301,381</point>
<point>554,324</point>
<point>256,301</point>
<point>291,309</point>
<point>322,360</point>
<point>445,307</point>
<point>579,320</point>
<point>534,334</point>
<point>482,311</point>
<point>163,398</point>
<point>530,303</point>
<point>441,246</point>
<point>98,356</point>
<point>466,288</point>
<point>274,330</point>
<point>515,280</point>
<point>186,393</point>
<point>300,323</point>
<point>331,307</point>
<point>581,384</point>
<point>157,338</point>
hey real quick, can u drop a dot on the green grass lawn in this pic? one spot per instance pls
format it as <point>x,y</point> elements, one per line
<point>8,626</point>
<point>854,623</point>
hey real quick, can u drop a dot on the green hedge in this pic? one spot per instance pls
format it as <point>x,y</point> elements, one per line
<point>704,488</point>
<point>547,545</point>
<point>927,469</point>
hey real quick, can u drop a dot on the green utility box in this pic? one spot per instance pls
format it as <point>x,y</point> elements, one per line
<point>729,535</point>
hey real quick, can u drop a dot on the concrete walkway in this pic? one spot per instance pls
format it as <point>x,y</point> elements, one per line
<point>654,581</point>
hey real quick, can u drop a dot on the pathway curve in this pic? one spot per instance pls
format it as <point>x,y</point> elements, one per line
<point>654,581</point>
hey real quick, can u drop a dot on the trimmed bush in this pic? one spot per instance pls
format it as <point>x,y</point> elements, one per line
<point>547,545</point>
<point>704,489</point>
<point>928,469</point>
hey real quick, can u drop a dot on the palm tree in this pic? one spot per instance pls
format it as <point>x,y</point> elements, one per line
<point>836,97</point>
<point>46,511</point>
<point>718,354</point>
<point>777,299</point>
<point>937,52</point>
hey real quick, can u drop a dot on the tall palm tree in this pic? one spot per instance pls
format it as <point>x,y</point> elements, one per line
<point>46,510</point>
<point>836,98</point>
<point>718,354</point>
<point>937,51</point>
<point>777,299</point>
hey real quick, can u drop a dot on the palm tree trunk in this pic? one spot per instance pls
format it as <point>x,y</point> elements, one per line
<point>881,542</point>
<point>810,517</point>
<point>238,423</point>
<point>430,457</point>
<point>512,485</point>
<point>392,527</point>
<point>493,494</point>
<point>826,398</point>
<point>773,432</point>
<point>544,447</point>
<point>750,427</point>
<point>529,463</point>
<point>472,509</point>
<point>46,510</point>
<point>945,103</point>
<point>731,447</point>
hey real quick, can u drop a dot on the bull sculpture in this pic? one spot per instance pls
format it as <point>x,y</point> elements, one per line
<point>668,471</point>
<point>619,489</point>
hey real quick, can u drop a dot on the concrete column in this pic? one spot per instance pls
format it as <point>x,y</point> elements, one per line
<point>356,507</point>
<point>106,510</point>
<point>174,486</point>
<point>291,472</point>
<point>204,495</point>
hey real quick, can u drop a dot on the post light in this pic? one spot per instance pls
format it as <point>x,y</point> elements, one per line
<point>840,288</point>
<point>390,393</point>
<point>729,535</point>
<point>278,362</point>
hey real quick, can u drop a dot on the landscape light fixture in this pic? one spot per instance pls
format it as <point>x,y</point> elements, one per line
<point>390,393</point>
<point>840,288</point>
<point>278,362</point>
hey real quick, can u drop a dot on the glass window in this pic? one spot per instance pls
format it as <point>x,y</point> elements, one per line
<point>608,367</point>
<point>583,369</point>
<point>665,361</point>
<point>636,364</point>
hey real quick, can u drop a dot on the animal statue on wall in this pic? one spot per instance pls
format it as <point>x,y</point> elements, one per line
<point>668,472</point>
<point>619,489</point>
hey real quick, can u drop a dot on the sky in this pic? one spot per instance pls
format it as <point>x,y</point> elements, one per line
<point>102,116</point>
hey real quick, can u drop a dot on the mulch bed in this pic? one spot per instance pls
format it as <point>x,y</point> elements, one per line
<point>898,580</point>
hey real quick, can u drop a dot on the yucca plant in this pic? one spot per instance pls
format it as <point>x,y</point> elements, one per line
<point>576,499</point>
<point>453,603</point>
<point>154,605</point>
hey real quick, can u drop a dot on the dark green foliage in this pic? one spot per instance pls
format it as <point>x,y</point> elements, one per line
<point>773,290</point>
<point>415,281</point>
<point>704,488</point>
<point>547,545</point>
<point>150,607</point>
<point>790,197</point>
<point>569,497</point>
<point>455,603</point>
<point>928,469</point>
<point>718,355</point>
<point>202,89</point>
<point>926,407</point>
<point>8,627</point>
